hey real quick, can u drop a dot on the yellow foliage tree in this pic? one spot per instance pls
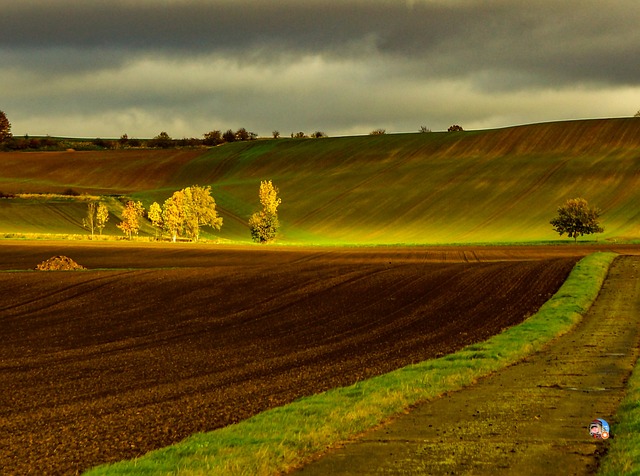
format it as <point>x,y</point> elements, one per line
<point>155,216</point>
<point>131,218</point>
<point>264,224</point>
<point>102,216</point>
<point>189,209</point>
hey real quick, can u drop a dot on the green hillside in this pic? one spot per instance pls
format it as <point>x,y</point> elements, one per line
<point>480,186</point>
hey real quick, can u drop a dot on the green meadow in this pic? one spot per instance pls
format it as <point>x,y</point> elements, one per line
<point>501,185</point>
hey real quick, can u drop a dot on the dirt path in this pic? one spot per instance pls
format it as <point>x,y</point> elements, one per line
<point>531,418</point>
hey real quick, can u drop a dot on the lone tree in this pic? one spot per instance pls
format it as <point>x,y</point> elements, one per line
<point>264,224</point>
<point>131,214</point>
<point>5,128</point>
<point>576,218</point>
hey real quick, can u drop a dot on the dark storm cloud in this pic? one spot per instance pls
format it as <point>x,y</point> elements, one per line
<point>103,67</point>
<point>510,44</point>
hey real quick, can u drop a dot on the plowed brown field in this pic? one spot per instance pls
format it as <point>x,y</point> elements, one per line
<point>107,364</point>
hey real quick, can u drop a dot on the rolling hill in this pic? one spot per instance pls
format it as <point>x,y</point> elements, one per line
<point>477,186</point>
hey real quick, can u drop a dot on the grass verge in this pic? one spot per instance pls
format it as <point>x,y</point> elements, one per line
<point>283,438</point>
<point>623,456</point>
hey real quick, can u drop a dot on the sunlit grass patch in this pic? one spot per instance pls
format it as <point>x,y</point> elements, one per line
<point>623,456</point>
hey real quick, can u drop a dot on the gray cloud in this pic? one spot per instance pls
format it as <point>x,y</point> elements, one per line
<point>335,65</point>
<point>541,39</point>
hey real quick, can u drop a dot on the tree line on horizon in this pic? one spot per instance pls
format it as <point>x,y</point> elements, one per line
<point>162,141</point>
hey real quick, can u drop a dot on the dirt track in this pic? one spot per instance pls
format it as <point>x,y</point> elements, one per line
<point>102,365</point>
<point>530,419</point>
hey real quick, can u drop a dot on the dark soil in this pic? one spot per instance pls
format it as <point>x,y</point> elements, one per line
<point>108,364</point>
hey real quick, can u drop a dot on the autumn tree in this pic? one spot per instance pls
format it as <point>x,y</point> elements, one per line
<point>576,218</point>
<point>264,224</point>
<point>131,214</point>
<point>89,222</point>
<point>102,216</point>
<point>189,209</point>
<point>200,211</point>
<point>173,214</point>
<point>155,217</point>
<point>5,128</point>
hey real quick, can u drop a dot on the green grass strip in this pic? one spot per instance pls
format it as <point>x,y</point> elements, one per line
<point>623,456</point>
<point>284,437</point>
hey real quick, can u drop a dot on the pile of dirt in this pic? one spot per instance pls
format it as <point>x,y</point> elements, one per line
<point>59,263</point>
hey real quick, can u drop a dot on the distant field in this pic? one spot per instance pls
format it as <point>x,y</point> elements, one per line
<point>499,185</point>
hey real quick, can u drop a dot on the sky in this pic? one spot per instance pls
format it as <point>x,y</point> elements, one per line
<point>103,68</point>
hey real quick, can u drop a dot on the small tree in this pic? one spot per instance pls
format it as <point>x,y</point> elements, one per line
<point>102,217</point>
<point>229,136</point>
<point>576,218</point>
<point>89,222</point>
<point>637,114</point>
<point>276,134</point>
<point>455,128</point>
<point>213,138</point>
<point>5,128</point>
<point>131,218</point>
<point>264,224</point>
<point>162,141</point>
<point>242,134</point>
<point>378,132</point>
<point>155,217</point>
